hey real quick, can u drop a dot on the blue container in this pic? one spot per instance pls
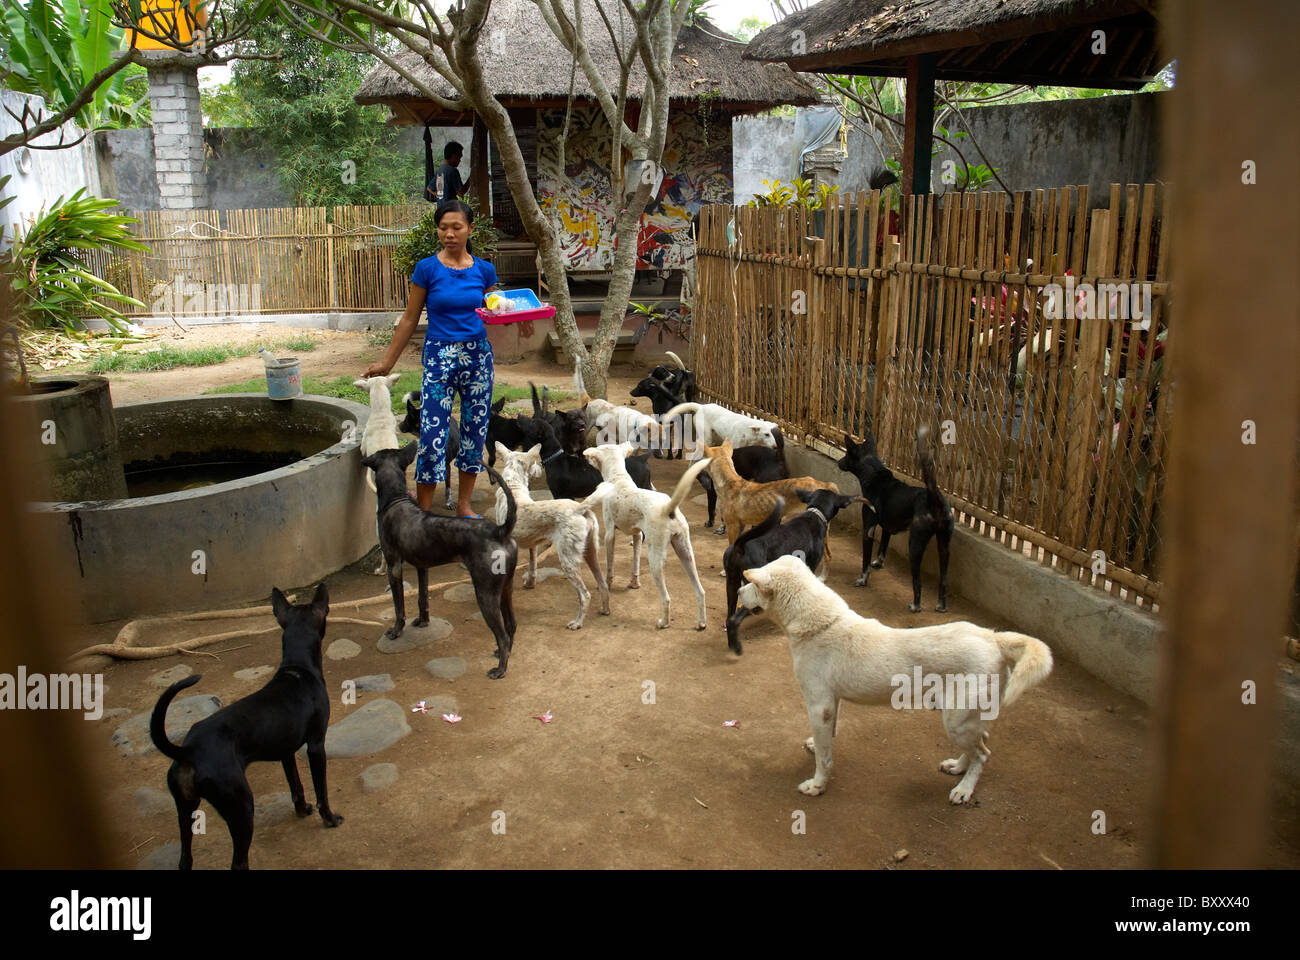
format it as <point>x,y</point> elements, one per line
<point>284,379</point>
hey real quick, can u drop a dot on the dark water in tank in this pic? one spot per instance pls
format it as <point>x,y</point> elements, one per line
<point>148,479</point>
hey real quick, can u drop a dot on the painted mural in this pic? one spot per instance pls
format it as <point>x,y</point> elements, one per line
<point>697,170</point>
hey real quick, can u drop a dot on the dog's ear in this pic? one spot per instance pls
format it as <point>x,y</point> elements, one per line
<point>499,405</point>
<point>392,379</point>
<point>848,443</point>
<point>843,500</point>
<point>279,606</point>
<point>760,577</point>
<point>362,385</point>
<point>584,399</point>
<point>320,604</point>
<point>371,462</point>
<point>502,449</point>
<point>804,495</point>
<point>535,450</point>
<point>407,454</point>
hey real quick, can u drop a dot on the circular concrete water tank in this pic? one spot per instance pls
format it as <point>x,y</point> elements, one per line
<point>225,543</point>
<point>72,432</point>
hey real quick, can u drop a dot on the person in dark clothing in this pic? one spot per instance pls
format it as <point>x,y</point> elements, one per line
<point>446,183</point>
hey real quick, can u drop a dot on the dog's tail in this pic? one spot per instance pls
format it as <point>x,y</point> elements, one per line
<point>677,360</point>
<point>537,403</point>
<point>370,480</point>
<point>598,496</point>
<point>770,522</point>
<point>925,454</point>
<point>779,437</point>
<point>413,398</point>
<point>158,724</point>
<point>504,530</point>
<point>684,485</point>
<point>1031,662</point>
<point>681,409</point>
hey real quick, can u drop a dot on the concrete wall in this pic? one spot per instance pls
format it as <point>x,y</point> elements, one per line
<point>241,172</point>
<point>50,174</point>
<point>1099,141</point>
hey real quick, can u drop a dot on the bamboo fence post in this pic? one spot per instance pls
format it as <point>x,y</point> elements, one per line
<point>815,331</point>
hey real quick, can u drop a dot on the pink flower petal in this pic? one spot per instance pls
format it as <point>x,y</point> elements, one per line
<point>545,718</point>
<point>452,718</point>
<point>731,723</point>
<point>420,708</point>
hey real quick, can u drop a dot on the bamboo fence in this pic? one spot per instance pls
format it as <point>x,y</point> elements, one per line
<point>1050,432</point>
<point>273,260</point>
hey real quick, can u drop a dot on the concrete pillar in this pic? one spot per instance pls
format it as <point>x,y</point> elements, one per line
<point>178,137</point>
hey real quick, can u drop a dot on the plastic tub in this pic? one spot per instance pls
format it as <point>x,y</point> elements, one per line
<point>284,379</point>
<point>538,310</point>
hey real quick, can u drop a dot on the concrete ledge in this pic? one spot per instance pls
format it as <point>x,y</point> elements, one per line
<point>325,320</point>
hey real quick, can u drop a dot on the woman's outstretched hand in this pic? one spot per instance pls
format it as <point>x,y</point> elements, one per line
<point>376,369</point>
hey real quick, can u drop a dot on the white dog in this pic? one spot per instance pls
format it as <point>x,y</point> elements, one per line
<point>569,525</point>
<point>615,424</point>
<point>715,423</point>
<point>839,655</point>
<point>655,514</point>
<point>381,428</point>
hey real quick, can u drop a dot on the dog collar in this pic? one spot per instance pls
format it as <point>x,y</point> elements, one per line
<point>556,455</point>
<point>405,496</point>
<point>820,514</point>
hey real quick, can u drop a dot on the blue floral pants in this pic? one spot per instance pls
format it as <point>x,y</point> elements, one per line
<point>451,368</point>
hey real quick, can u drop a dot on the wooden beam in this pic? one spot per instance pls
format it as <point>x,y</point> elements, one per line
<point>918,124</point>
<point>1227,568</point>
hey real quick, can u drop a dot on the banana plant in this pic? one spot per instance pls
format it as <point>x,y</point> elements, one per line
<point>53,49</point>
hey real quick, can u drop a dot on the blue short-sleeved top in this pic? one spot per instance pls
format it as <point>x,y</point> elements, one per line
<point>452,297</point>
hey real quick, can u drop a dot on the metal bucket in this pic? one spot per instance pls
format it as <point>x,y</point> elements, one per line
<point>284,379</point>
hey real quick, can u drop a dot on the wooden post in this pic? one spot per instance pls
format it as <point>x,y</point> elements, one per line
<point>890,297</point>
<point>329,264</point>
<point>918,124</point>
<point>814,333</point>
<point>1227,560</point>
<point>1086,394</point>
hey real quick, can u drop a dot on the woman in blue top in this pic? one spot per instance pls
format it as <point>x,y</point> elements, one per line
<point>457,356</point>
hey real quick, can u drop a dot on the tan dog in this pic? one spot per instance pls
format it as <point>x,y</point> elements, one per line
<point>745,503</point>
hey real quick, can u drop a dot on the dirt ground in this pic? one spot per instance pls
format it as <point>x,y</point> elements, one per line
<point>615,781</point>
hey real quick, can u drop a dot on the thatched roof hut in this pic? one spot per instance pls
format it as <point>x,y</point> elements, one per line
<point>1035,42</point>
<point>525,65</point>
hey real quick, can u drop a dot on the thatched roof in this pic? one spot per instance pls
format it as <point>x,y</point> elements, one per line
<point>1006,41</point>
<point>533,69</point>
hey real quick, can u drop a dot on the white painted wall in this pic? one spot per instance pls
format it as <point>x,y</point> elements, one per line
<point>50,173</point>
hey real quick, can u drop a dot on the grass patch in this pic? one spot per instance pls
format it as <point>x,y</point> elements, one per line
<point>167,357</point>
<point>342,388</point>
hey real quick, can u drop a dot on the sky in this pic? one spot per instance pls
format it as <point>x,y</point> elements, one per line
<point>725,13</point>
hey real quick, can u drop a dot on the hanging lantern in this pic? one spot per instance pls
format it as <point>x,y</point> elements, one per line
<point>187,18</point>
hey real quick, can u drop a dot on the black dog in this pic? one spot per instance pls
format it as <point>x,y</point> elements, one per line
<point>410,534</point>
<point>898,506</point>
<point>411,424</point>
<point>504,430</point>
<point>271,724</point>
<point>569,476</point>
<point>803,536</point>
<point>758,463</point>
<point>662,399</point>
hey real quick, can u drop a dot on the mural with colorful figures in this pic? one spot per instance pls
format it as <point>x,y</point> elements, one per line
<point>577,195</point>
